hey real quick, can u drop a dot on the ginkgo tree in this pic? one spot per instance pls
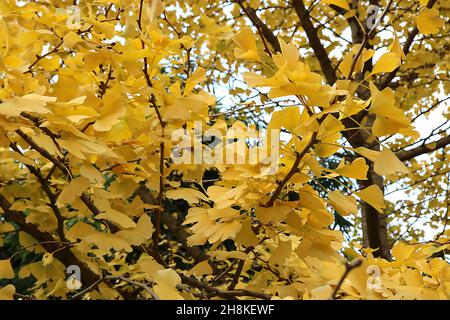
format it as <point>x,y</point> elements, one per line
<point>185,149</point>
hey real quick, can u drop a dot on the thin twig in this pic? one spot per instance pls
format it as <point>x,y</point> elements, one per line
<point>292,171</point>
<point>138,284</point>
<point>88,289</point>
<point>39,58</point>
<point>235,280</point>
<point>367,36</point>
<point>348,267</point>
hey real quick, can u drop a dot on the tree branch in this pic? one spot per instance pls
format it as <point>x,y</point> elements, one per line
<point>314,41</point>
<point>214,292</point>
<point>355,26</point>
<point>406,155</point>
<point>292,171</point>
<point>51,196</point>
<point>386,81</point>
<point>235,280</point>
<point>142,285</point>
<point>367,38</point>
<point>65,255</point>
<point>178,230</point>
<point>261,26</point>
<point>348,267</point>
<point>61,166</point>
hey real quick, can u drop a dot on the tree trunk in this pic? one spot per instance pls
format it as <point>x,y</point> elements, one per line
<point>374,224</point>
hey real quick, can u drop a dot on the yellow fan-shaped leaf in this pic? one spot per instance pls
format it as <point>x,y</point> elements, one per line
<point>113,109</point>
<point>117,218</point>
<point>356,170</point>
<point>107,241</point>
<point>71,39</point>
<point>373,196</point>
<point>288,118</point>
<point>265,215</point>
<point>6,270</point>
<point>387,63</point>
<point>387,163</point>
<point>136,236</point>
<point>368,153</point>
<point>200,269</point>
<point>246,236</point>
<point>74,189</point>
<point>198,76</point>
<point>246,45</point>
<point>190,195</point>
<point>7,292</point>
<point>396,47</point>
<point>168,276</point>
<point>28,103</point>
<point>281,253</point>
<point>89,171</point>
<point>429,21</point>
<point>13,62</point>
<point>343,204</point>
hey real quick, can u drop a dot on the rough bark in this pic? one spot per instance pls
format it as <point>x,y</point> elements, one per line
<point>374,224</point>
